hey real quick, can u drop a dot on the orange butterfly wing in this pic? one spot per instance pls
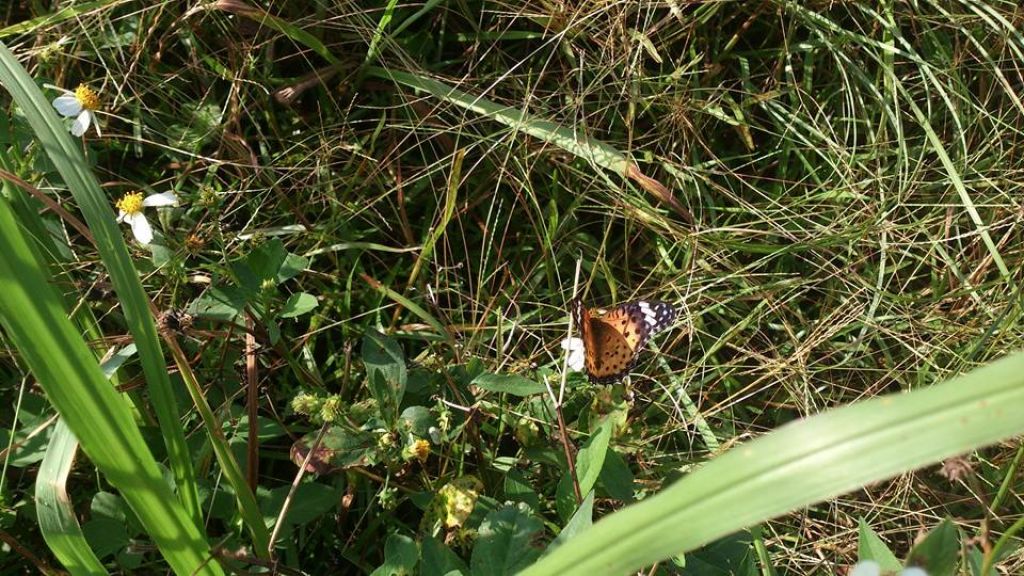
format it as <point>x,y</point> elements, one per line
<point>611,342</point>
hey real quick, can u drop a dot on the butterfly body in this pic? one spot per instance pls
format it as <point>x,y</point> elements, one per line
<point>612,342</point>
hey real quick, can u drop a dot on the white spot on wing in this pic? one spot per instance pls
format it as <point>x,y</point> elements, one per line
<point>650,314</point>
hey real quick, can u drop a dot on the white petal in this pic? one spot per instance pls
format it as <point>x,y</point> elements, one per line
<point>575,348</point>
<point>866,568</point>
<point>575,361</point>
<point>81,124</point>
<point>140,228</point>
<point>67,105</point>
<point>120,215</point>
<point>572,344</point>
<point>161,199</point>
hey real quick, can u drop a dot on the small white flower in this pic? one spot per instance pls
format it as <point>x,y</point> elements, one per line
<point>80,105</point>
<point>575,348</point>
<point>129,209</point>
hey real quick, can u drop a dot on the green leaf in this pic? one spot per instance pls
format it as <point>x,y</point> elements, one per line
<point>518,489</point>
<point>203,122</point>
<point>28,449</point>
<point>871,547</point>
<point>506,541</point>
<point>260,265</point>
<point>730,556</point>
<point>939,552</point>
<point>106,536</point>
<point>308,503</point>
<point>348,448</point>
<point>130,559</point>
<point>590,459</point>
<point>804,462</point>
<point>616,477</point>
<point>417,420</point>
<point>58,522</point>
<point>292,266</point>
<point>218,501</point>
<point>270,261</point>
<point>508,384</point>
<point>108,505</point>
<point>400,557</point>
<point>580,522</point>
<point>385,372</point>
<point>438,560</point>
<point>589,462</point>
<point>298,304</point>
<point>222,303</point>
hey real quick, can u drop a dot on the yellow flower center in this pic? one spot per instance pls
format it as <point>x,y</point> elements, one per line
<point>130,203</point>
<point>89,99</point>
<point>421,449</point>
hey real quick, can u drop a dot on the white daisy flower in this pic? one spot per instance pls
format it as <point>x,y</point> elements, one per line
<point>80,105</point>
<point>129,209</point>
<point>575,348</point>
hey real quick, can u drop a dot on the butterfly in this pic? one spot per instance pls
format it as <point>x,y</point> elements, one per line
<point>612,342</point>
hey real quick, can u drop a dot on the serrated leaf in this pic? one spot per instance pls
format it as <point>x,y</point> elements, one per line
<point>505,544</point>
<point>339,449</point>
<point>518,489</point>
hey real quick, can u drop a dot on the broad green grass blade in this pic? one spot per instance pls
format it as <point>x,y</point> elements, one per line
<point>67,157</point>
<point>35,321</point>
<point>800,464</point>
<point>57,520</point>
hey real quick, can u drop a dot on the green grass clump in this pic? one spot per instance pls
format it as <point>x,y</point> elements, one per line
<point>343,346</point>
